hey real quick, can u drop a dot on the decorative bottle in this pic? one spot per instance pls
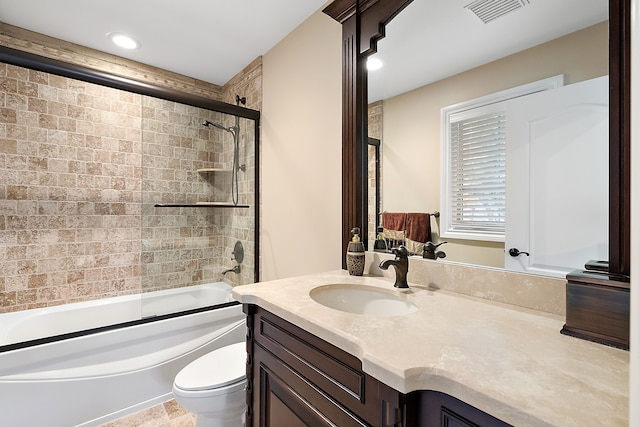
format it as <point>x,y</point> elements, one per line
<point>380,245</point>
<point>355,254</point>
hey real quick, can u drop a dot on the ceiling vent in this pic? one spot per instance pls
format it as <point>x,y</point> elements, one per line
<point>488,10</point>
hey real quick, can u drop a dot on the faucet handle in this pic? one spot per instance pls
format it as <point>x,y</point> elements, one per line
<point>429,251</point>
<point>431,245</point>
<point>401,251</point>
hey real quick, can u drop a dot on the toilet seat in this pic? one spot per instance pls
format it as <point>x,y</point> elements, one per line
<point>223,369</point>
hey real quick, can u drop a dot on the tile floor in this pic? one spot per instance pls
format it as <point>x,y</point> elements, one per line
<point>167,414</point>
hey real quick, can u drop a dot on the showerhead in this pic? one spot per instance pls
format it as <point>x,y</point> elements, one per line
<point>207,123</point>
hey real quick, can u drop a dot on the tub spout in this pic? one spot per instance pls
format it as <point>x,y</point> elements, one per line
<point>400,264</point>
<point>235,269</point>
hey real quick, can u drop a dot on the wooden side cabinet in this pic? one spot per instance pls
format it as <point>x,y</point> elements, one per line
<point>296,379</point>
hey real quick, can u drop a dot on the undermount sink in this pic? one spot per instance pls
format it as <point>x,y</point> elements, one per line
<point>360,299</point>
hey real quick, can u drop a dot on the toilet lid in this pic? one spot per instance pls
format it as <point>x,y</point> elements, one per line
<point>221,367</point>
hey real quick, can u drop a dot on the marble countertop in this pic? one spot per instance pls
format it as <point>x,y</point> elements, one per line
<point>508,361</point>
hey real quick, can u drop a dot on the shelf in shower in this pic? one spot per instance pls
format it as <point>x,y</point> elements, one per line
<point>200,205</point>
<point>211,170</point>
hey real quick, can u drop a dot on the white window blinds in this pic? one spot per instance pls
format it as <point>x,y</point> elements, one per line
<point>477,174</point>
<point>473,148</point>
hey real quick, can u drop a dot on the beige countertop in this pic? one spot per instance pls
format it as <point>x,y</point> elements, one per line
<point>508,361</point>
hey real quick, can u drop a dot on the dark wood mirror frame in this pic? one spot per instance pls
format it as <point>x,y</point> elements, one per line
<point>597,298</point>
<point>363,24</point>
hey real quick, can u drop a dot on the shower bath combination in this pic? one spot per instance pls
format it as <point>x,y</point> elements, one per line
<point>234,131</point>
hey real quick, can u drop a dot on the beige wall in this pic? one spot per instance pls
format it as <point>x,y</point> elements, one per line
<point>301,151</point>
<point>411,125</point>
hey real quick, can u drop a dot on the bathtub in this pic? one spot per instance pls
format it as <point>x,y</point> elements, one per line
<point>96,376</point>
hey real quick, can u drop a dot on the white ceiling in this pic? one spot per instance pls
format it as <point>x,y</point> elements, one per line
<point>213,40</point>
<point>433,39</point>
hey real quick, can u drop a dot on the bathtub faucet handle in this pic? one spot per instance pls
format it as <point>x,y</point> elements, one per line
<point>238,253</point>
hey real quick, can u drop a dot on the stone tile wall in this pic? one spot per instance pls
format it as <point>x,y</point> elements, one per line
<point>247,84</point>
<point>183,246</point>
<point>79,175</point>
<point>69,190</point>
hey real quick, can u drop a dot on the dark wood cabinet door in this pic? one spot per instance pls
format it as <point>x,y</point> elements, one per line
<point>434,409</point>
<point>277,405</point>
<point>293,375</point>
<point>287,400</point>
<point>280,405</point>
<point>296,379</point>
<point>451,419</point>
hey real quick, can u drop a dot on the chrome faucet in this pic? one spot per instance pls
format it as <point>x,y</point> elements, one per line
<point>400,264</point>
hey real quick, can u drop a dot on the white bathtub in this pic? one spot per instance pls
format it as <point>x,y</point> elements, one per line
<point>95,378</point>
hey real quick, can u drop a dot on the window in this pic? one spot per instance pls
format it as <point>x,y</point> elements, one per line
<point>474,177</point>
<point>477,173</point>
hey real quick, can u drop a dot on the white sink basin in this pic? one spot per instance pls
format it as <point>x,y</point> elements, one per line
<point>360,299</point>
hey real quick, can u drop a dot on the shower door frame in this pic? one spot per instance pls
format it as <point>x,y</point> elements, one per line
<point>64,69</point>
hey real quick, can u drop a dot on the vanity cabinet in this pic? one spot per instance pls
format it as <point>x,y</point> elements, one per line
<point>434,409</point>
<point>296,379</point>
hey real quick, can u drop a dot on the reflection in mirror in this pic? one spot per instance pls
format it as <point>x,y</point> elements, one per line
<point>437,54</point>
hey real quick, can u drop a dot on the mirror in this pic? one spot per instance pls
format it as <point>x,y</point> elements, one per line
<point>538,40</point>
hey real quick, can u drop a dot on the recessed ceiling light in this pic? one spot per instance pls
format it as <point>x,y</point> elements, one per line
<point>374,64</point>
<point>123,40</point>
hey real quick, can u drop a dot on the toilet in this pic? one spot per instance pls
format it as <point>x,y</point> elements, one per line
<point>213,387</point>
